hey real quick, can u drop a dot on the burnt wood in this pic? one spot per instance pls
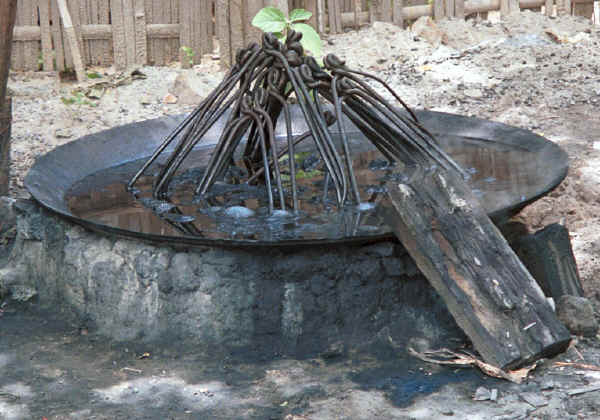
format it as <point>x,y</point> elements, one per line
<point>548,256</point>
<point>490,293</point>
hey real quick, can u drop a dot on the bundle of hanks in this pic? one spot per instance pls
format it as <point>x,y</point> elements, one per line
<point>259,88</point>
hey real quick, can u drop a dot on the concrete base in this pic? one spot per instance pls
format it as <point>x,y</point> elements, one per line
<point>302,300</point>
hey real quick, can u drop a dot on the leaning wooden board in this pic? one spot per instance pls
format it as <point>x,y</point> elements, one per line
<point>487,289</point>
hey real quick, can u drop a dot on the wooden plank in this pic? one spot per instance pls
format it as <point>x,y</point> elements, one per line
<point>72,40</point>
<point>141,37</point>
<point>208,27</point>
<point>549,6</point>
<point>150,20</point>
<point>46,35</point>
<point>439,11</point>
<point>185,34</point>
<point>103,48</point>
<point>487,289</point>
<point>321,16</point>
<point>311,6</point>
<point>8,17</point>
<point>118,31</point>
<point>585,9</point>
<point>548,256</point>
<point>384,10</point>
<point>236,26</point>
<point>74,7</point>
<point>338,15</point>
<point>5,132</point>
<point>129,31</point>
<point>57,38</point>
<point>459,9</point>
<point>157,45</point>
<point>173,17</point>
<point>450,12</point>
<point>32,49</point>
<point>335,22</point>
<point>222,17</point>
<point>398,14</point>
<point>252,8</point>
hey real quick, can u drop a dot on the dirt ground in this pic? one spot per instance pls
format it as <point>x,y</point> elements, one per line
<point>527,70</point>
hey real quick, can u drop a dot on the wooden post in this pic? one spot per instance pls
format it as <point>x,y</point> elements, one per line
<point>72,38</point>
<point>8,15</point>
<point>467,260</point>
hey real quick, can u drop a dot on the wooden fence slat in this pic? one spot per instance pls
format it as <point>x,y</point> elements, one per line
<point>20,47</point>
<point>141,37</point>
<point>129,29</point>
<point>46,35</point>
<point>157,44</point>
<point>335,18</point>
<point>57,39</point>
<point>74,10</point>
<point>311,6</point>
<point>173,16</point>
<point>236,26</point>
<point>222,18</point>
<point>583,9</point>
<point>450,12</point>
<point>118,30</point>
<point>72,39</point>
<point>459,9</point>
<point>104,18</point>
<point>549,7</point>
<point>398,15</point>
<point>32,49</point>
<point>207,27</point>
<point>439,9</point>
<point>384,10</point>
<point>252,8</point>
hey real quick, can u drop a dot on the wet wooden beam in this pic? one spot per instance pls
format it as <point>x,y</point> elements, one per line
<point>488,290</point>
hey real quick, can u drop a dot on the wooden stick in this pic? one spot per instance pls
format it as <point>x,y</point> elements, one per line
<point>72,39</point>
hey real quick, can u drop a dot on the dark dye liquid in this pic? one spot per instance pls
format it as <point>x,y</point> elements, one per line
<point>502,176</point>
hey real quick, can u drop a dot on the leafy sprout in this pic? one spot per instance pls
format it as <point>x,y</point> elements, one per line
<point>271,19</point>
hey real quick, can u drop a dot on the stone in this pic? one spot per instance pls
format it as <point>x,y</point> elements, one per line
<point>474,93</point>
<point>8,217</point>
<point>482,394</point>
<point>534,399</point>
<point>190,89</point>
<point>425,28</point>
<point>577,313</point>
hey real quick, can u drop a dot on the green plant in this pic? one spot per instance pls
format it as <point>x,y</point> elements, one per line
<point>189,54</point>
<point>271,19</point>
<point>78,98</point>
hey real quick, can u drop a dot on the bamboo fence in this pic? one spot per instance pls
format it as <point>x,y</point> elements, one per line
<point>139,32</point>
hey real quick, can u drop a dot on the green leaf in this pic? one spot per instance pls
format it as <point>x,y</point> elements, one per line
<point>269,19</point>
<point>311,41</point>
<point>297,15</point>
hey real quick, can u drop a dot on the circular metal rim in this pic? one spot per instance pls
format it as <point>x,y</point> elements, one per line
<point>55,172</point>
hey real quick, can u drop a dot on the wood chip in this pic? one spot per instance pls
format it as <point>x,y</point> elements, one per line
<point>584,389</point>
<point>577,365</point>
<point>458,359</point>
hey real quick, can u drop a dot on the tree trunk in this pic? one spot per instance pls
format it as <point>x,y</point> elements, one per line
<point>8,13</point>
